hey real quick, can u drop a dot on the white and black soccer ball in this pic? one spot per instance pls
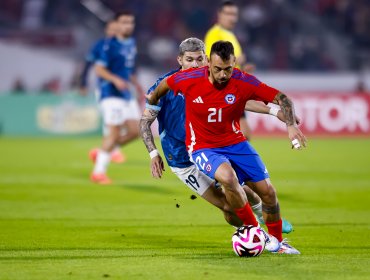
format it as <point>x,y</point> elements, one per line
<point>248,241</point>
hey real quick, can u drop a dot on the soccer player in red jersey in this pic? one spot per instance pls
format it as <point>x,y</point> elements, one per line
<point>215,97</point>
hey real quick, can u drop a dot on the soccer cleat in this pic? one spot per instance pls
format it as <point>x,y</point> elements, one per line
<point>285,248</point>
<point>93,154</point>
<point>271,242</point>
<point>118,157</point>
<point>101,179</point>
<point>287,227</point>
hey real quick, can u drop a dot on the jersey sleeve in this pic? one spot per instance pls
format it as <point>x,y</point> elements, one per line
<point>94,52</point>
<point>183,80</point>
<point>153,87</point>
<point>266,93</point>
<point>103,56</point>
<point>258,90</point>
<point>176,83</point>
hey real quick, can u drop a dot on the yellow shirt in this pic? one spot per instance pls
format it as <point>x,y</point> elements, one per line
<point>217,33</point>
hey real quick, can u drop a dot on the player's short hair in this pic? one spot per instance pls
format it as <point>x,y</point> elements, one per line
<point>226,3</point>
<point>191,44</point>
<point>123,13</point>
<point>223,49</point>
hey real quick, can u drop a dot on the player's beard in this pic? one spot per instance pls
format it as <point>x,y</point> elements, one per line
<point>221,83</point>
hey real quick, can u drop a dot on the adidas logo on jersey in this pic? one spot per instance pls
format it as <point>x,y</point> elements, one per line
<point>198,100</point>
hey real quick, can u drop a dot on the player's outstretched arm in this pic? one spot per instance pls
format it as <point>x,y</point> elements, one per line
<point>261,108</point>
<point>156,165</point>
<point>287,108</point>
<point>256,107</point>
<point>161,90</point>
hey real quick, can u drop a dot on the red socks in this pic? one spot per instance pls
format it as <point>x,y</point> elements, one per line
<point>275,228</point>
<point>246,215</point>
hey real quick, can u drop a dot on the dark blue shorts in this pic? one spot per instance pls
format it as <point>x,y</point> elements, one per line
<point>242,157</point>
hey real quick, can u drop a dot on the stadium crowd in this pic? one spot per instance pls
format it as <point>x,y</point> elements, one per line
<point>276,34</point>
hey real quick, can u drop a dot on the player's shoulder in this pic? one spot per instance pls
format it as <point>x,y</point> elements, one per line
<point>100,41</point>
<point>244,77</point>
<point>168,74</point>
<point>131,40</point>
<point>98,44</point>
<point>108,42</point>
<point>191,73</point>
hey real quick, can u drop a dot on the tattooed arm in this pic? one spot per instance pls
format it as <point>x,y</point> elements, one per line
<point>287,107</point>
<point>261,108</point>
<point>148,117</point>
<point>156,165</point>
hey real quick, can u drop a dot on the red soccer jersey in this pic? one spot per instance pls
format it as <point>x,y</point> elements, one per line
<point>213,115</point>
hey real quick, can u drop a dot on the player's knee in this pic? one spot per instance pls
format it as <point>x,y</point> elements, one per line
<point>229,180</point>
<point>270,197</point>
<point>272,194</point>
<point>114,136</point>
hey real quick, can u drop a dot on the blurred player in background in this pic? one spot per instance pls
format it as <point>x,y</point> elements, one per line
<point>115,68</point>
<point>93,55</point>
<point>172,134</point>
<point>215,96</point>
<point>227,18</point>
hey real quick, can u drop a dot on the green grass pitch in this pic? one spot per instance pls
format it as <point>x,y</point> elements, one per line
<point>55,224</point>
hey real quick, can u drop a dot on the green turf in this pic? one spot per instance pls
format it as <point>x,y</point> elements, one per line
<point>54,224</point>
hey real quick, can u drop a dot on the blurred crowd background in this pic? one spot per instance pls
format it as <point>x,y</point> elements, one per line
<point>43,42</point>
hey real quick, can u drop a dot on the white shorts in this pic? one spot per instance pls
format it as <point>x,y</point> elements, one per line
<point>116,110</point>
<point>195,179</point>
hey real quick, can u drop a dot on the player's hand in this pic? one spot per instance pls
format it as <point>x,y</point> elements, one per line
<point>281,117</point>
<point>296,137</point>
<point>119,83</point>
<point>157,166</point>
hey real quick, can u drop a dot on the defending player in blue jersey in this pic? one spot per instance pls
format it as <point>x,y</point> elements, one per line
<point>172,134</point>
<point>115,68</point>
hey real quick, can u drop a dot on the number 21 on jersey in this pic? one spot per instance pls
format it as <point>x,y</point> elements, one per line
<point>215,115</point>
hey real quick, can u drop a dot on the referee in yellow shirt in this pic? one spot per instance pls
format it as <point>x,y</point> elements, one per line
<point>227,17</point>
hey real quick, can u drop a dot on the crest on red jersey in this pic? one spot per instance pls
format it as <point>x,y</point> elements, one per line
<point>230,98</point>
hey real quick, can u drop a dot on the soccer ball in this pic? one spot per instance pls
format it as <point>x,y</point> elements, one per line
<point>248,241</point>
